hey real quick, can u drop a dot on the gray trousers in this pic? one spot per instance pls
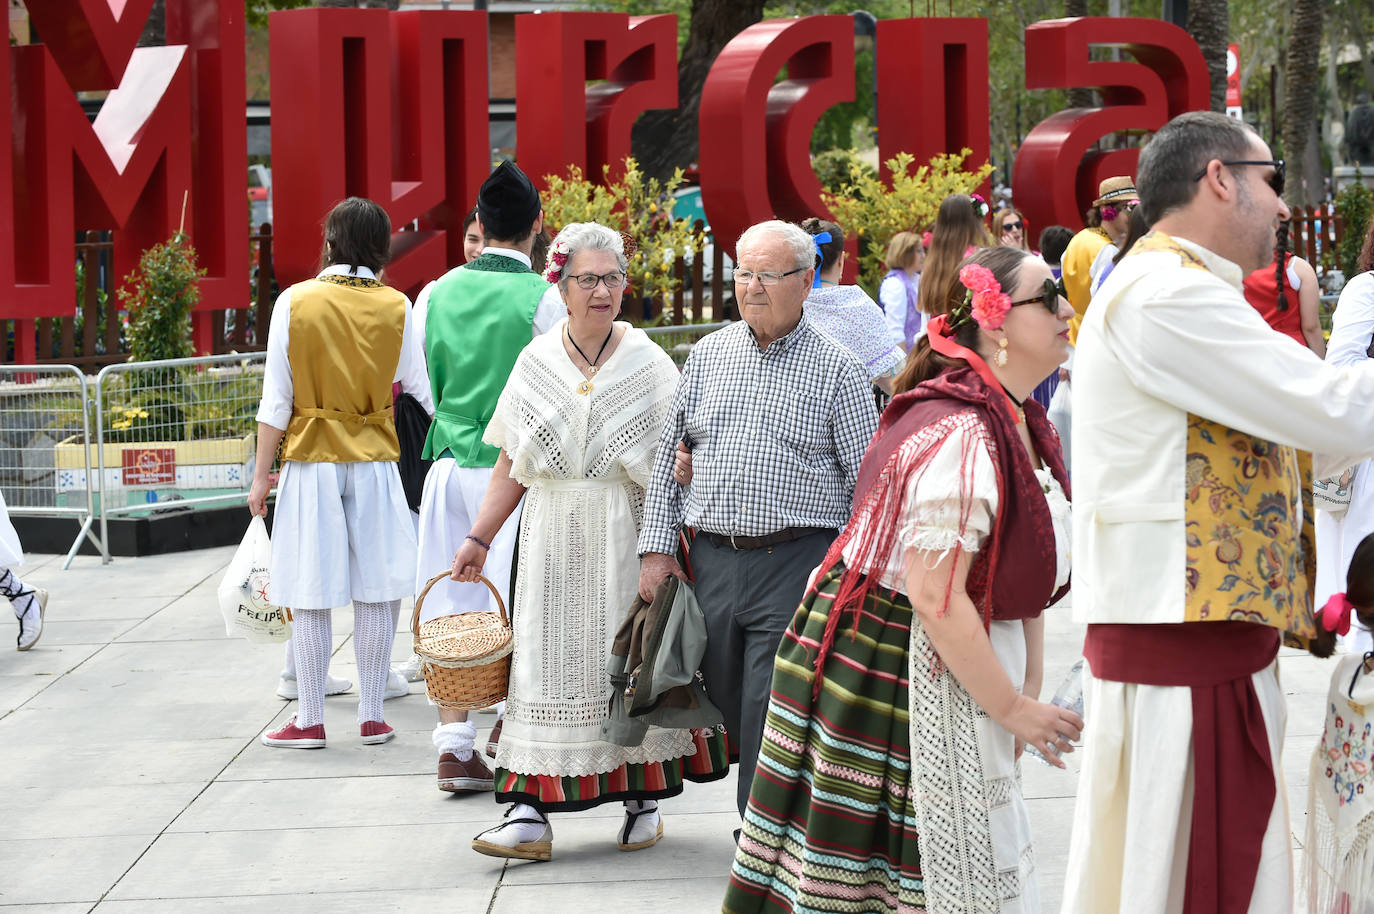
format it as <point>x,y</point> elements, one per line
<point>749,598</point>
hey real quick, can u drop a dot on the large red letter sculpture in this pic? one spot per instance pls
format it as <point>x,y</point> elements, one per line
<point>933,88</point>
<point>756,134</point>
<point>559,119</point>
<point>1057,173</point>
<point>388,106</point>
<point>168,144</point>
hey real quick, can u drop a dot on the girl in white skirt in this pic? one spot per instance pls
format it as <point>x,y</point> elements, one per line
<point>29,604</point>
<point>342,530</point>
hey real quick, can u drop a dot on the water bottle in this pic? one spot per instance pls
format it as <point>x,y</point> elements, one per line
<point>1069,695</point>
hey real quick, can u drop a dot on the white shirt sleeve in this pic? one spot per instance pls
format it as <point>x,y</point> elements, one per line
<point>1352,324</point>
<point>410,369</point>
<point>959,481</point>
<point>550,310</point>
<point>892,295</point>
<point>277,387</point>
<point>420,314</point>
<point>1195,343</point>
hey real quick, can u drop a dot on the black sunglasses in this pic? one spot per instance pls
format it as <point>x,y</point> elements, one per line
<point>1008,226</point>
<point>1275,180</point>
<point>1053,290</point>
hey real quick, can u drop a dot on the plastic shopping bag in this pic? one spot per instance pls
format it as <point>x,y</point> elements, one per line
<point>243,591</point>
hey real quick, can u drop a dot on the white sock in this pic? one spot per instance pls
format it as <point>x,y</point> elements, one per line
<point>501,710</point>
<point>312,638</point>
<point>20,596</point>
<point>526,831</point>
<point>457,738</point>
<point>289,671</point>
<point>373,632</point>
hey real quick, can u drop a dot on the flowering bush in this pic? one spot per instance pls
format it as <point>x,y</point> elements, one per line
<point>159,296</point>
<point>874,212</point>
<point>639,206</point>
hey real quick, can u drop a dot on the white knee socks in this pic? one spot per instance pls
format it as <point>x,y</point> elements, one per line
<point>456,738</point>
<point>374,629</point>
<point>311,639</point>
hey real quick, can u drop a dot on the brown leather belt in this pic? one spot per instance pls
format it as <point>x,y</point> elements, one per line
<point>741,543</point>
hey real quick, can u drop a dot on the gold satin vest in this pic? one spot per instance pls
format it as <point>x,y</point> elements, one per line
<point>344,346</point>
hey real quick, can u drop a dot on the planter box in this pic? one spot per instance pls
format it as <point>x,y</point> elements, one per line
<point>175,531</point>
<point>218,463</point>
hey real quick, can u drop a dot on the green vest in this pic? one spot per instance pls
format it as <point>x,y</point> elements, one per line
<point>479,319</point>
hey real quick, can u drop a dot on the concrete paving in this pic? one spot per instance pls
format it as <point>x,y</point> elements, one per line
<point>133,780</point>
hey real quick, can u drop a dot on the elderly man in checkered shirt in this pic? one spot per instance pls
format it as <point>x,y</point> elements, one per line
<point>777,416</point>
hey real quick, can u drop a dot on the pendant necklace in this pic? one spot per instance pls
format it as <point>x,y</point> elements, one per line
<point>586,386</point>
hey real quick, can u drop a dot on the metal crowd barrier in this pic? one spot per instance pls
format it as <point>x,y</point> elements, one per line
<point>678,339</point>
<point>45,435</point>
<point>175,434</point>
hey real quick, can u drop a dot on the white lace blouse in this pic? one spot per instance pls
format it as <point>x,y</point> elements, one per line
<point>960,472</point>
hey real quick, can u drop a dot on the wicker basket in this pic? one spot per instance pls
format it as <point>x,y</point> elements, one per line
<point>464,658</point>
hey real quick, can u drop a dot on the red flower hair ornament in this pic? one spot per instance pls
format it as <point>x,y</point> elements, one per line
<point>985,301</point>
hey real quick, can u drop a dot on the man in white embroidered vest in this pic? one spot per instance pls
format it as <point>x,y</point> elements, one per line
<point>1192,538</point>
<point>473,322</point>
<point>778,416</point>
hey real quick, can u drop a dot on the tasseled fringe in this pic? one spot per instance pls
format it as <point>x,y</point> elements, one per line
<point>878,516</point>
<point>1340,869</point>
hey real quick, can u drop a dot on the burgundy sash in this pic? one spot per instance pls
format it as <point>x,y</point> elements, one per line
<point>1234,778</point>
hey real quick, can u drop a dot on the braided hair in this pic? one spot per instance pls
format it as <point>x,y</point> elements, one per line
<point>1280,249</point>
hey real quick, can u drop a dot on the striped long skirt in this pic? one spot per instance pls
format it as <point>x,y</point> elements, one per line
<point>830,825</point>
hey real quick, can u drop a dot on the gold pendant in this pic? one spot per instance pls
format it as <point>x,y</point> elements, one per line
<point>584,388</point>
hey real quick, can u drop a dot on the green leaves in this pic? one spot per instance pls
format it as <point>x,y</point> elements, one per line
<point>159,296</point>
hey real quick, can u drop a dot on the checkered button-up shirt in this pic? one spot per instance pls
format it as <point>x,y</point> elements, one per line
<point>777,435</point>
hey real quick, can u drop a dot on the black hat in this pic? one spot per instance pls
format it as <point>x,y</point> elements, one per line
<point>507,203</point>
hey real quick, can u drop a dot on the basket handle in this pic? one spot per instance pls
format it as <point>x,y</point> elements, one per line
<point>420,599</point>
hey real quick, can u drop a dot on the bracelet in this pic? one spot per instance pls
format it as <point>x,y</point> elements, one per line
<point>486,546</point>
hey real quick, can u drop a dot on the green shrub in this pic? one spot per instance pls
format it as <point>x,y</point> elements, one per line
<point>159,296</point>
<point>1353,205</point>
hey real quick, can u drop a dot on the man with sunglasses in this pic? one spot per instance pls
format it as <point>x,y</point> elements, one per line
<point>777,416</point>
<point>1195,432</point>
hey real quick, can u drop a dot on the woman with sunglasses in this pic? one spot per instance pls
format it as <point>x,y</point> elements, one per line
<point>908,682</point>
<point>1010,229</point>
<point>578,425</point>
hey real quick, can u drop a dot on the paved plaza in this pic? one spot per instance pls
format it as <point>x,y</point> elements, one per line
<point>132,779</point>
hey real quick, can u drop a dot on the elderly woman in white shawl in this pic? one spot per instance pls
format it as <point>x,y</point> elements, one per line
<point>578,426</point>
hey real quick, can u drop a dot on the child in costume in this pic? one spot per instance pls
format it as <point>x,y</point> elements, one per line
<point>29,604</point>
<point>1340,793</point>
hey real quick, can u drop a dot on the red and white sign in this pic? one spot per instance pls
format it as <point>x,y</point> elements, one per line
<point>149,466</point>
<point>1233,76</point>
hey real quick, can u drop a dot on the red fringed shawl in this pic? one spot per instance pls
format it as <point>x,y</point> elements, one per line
<point>1012,576</point>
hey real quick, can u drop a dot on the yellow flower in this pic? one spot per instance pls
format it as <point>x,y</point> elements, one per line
<point>121,423</point>
<point>143,414</point>
<point>131,413</point>
<point>653,207</point>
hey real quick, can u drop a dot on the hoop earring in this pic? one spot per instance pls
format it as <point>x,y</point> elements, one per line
<point>1000,357</point>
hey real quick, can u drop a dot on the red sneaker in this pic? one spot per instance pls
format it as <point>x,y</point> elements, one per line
<point>294,737</point>
<point>375,732</point>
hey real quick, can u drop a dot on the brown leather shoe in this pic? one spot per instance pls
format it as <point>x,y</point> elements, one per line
<point>494,738</point>
<point>464,777</point>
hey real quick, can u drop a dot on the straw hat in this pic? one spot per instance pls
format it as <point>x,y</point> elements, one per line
<point>1116,189</point>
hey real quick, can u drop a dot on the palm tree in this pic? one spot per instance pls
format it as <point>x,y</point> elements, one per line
<point>1300,98</point>
<point>1209,23</point>
<point>1077,97</point>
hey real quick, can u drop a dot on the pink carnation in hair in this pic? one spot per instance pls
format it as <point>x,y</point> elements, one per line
<point>558,258</point>
<point>990,308</point>
<point>926,239</point>
<point>978,278</point>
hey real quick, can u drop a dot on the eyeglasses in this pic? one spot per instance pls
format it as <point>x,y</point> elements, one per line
<point>1275,180</point>
<point>1008,226</point>
<point>1052,291</point>
<point>588,281</point>
<point>744,277</point>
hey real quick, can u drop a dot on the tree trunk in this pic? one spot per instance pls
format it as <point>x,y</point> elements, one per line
<point>1300,95</point>
<point>1077,97</point>
<point>664,140</point>
<point>155,30</point>
<point>1209,23</point>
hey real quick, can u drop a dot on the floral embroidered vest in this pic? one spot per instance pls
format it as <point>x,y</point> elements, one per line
<point>344,345</point>
<point>1248,517</point>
